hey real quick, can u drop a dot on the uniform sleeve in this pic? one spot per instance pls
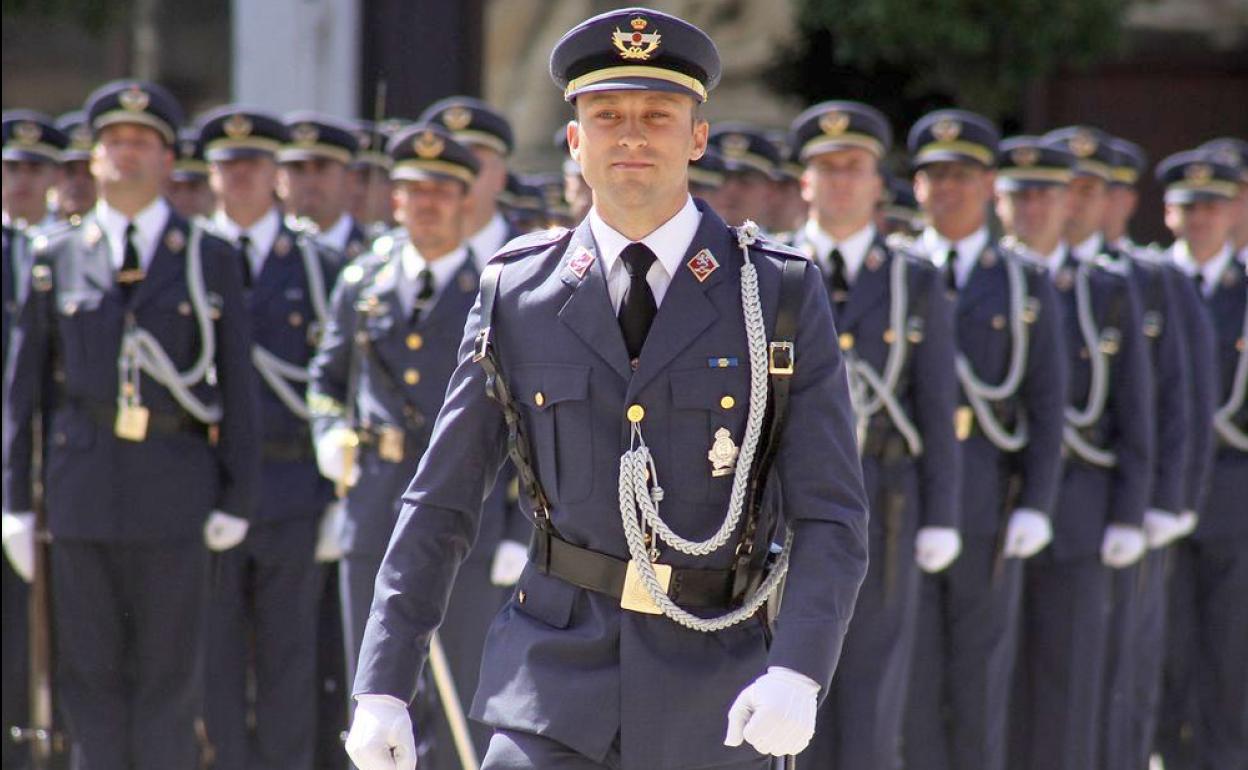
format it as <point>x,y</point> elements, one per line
<point>238,448</point>
<point>329,368</point>
<point>1131,402</point>
<point>27,368</point>
<point>1173,391</point>
<point>1043,394</point>
<point>824,502</point>
<point>1201,361</point>
<point>437,525</point>
<point>936,397</point>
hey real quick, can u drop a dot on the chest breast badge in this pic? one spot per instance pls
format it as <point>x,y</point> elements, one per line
<point>579,264</point>
<point>702,265</point>
<point>723,454</point>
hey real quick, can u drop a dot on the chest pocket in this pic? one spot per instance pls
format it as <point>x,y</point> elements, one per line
<point>170,318</point>
<point>984,337</point>
<point>704,401</point>
<point>82,317</point>
<point>555,398</point>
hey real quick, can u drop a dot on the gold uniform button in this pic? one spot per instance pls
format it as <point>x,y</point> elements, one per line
<point>847,341</point>
<point>411,376</point>
<point>727,402</point>
<point>296,319</point>
<point>184,308</point>
<point>415,341</point>
<point>636,413</point>
<point>522,596</point>
<point>1240,344</point>
<point>539,398</point>
<point>889,336</point>
<point>998,322</point>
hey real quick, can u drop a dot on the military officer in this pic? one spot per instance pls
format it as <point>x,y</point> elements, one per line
<point>368,182</point>
<point>74,194</point>
<point>32,156</point>
<point>1205,719</point>
<point>137,317</point>
<point>621,360</point>
<point>524,204</point>
<point>895,325</point>
<point>1012,374</point>
<point>788,209</point>
<point>898,211</point>
<point>264,597</point>
<point>380,375</point>
<point>1108,436</point>
<point>575,191</point>
<point>706,176</point>
<point>312,181</point>
<point>750,163</point>
<point>1234,152</point>
<point>188,190</point>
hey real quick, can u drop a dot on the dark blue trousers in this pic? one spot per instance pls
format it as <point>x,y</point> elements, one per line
<point>15,630</point>
<point>967,636</point>
<point>263,628</point>
<point>1059,680</point>
<point>129,629</point>
<point>333,687</point>
<point>513,750</point>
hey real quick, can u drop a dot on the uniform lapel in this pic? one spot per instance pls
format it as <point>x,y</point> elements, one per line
<point>980,283</point>
<point>870,288</point>
<point>276,272</point>
<point>455,299</point>
<point>96,261</point>
<point>167,264</point>
<point>588,312</point>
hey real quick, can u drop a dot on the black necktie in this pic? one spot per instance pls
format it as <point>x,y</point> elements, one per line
<point>638,309</point>
<point>1199,280</point>
<point>424,293</point>
<point>838,281</point>
<point>131,274</point>
<point>244,259</point>
<point>951,270</point>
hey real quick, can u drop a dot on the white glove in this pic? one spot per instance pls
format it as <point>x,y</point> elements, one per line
<point>223,531</point>
<point>381,734</point>
<point>1187,522</point>
<point>776,713</point>
<point>331,455</point>
<point>328,540</point>
<point>1028,532</point>
<point>1122,546</point>
<point>1162,527</point>
<point>509,560</point>
<point>19,542</point>
<point>935,548</point>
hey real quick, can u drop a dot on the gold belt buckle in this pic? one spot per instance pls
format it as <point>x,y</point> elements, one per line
<point>390,444</point>
<point>635,596</point>
<point>131,423</point>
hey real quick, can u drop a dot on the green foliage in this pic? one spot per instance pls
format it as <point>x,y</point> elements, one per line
<point>95,16</point>
<point>984,52</point>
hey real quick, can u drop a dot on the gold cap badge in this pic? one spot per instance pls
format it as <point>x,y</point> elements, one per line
<point>637,45</point>
<point>1025,156</point>
<point>134,99</point>
<point>27,132</point>
<point>834,123</point>
<point>946,129</point>
<point>428,145</point>
<point>237,126</point>
<point>1083,144</point>
<point>305,133</point>
<point>457,118</point>
<point>1198,173</point>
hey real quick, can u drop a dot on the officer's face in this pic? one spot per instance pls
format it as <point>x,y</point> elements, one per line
<point>131,157</point>
<point>314,188</point>
<point>634,148</point>
<point>491,179</point>
<point>955,196</point>
<point>245,184</point>
<point>1119,210</point>
<point>788,207</point>
<point>432,210</point>
<point>1089,196</point>
<point>1205,225</point>
<point>191,197</point>
<point>25,188</point>
<point>75,193</point>
<point>1034,215</point>
<point>369,194</point>
<point>744,195</point>
<point>842,188</point>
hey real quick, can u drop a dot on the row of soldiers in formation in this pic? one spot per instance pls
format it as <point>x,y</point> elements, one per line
<point>221,350</point>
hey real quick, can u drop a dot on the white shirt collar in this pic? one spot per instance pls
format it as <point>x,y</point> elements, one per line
<point>1211,271</point>
<point>853,249</point>
<point>968,249</point>
<point>1054,260</point>
<point>486,242</point>
<point>338,234</point>
<point>149,224</point>
<point>262,234</point>
<point>669,242</point>
<point>1089,248</point>
<point>412,264</point>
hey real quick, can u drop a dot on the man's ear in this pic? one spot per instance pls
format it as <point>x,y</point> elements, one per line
<point>574,140</point>
<point>701,131</point>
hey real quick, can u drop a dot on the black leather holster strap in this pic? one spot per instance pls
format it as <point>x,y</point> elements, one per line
<point>598,572</point>
<point>158,423</point>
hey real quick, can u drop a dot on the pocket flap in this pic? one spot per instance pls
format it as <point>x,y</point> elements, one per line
<point>541,386</point>
<point>79,301</point>
<point>545,598</point>
<point>711,388</point>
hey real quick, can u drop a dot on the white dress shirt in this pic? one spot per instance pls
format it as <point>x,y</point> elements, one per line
<point>149,225</point>
<point>1089,248</point>
<point>853,249</point>
<point>1054,260</point>
<point>412,264</point>
<point>969,248</point>
<point>486,242</point>
<point>262,234</point>
<point>669,243</point>
<point>338,234</point>
<point>1211,270</point>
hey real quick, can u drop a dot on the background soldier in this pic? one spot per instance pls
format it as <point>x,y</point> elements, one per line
<point>1013,376</point>
<point>139,319</point>
<point>368,183</point>
<point>263,615</point>
<point>667,370</point>
<point>1234,152</point>
<point>188,190</point>
<point>750,162</point>
<point>312,181</point>
<point>895,327</point>
<point>32,156</point>
<point>75,194</point>
<point>1204,721</point>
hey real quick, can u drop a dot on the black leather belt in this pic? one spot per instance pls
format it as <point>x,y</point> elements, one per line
<point>160,423</point>
<point>604,574</point>
<point>288,451</point>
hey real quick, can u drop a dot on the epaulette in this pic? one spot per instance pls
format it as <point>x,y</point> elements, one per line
<point>44,238</point>
<point>387,245</point>
<point>361,267</point>
<point>771,246</point>
<point>538,239</point>
<point>303,225</point>
<point>209,227</point>
<point>916,259</point>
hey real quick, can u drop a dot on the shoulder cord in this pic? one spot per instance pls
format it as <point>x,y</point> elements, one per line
<point>1098,388</point>
<point>636,465</point>
<point>978,393</point>
<point>279,373</point>
<point>142,353</point>
<point>867,389</point>
<point>1223,418</point>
